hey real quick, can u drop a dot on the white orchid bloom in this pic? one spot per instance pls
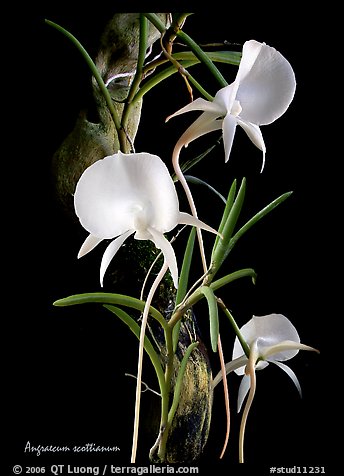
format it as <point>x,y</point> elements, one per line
<point>125,194</point>
<point>262,91</point>
<point>271,339</point>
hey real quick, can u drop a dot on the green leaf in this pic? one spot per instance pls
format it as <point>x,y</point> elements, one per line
<point>158,77</point>
<point>228,207</point>
<point>228,57</point>
<point>254,220</point>
<point>229,278</point>
<point>187,59</point>
<point>148,346</point>
<point>179,381</point>
<point>183,281</point>
<point>230,218</point>
<point>213,315</point>
<point>185,166</point>
<point>198,181</point>
<point>110,298</point>
<point>202,56</point>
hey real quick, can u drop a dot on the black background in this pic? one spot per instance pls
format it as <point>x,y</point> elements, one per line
<point>66,366</point>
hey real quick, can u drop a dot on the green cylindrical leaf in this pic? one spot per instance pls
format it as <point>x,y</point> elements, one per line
<point>179,381</point>
<point>110,298</point>
<point>213,315</point>
<point>183,281</point>
<point>227,57</point>
<point>148,346</point>
<point>254,220</point>
<point>242,273</point>
<point>198,181</point>
<point>230,219</point>
<point>228,207</point>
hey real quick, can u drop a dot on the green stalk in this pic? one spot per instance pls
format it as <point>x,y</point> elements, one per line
<point>164,426</point>
<point>135,328</point>
<point>141,57</point>
<point>153,18</point>
<point>157,78</point>
<point>242,273</point>
<point>179,381</point>
<point>183,281</point>
<point>199,53</point>
<point>111,298</point>
<point>138,75</point>
<point>202,56</point>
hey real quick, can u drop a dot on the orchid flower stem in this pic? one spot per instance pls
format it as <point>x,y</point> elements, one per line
<point>94,71</point>
<point>182,180</point>
<point>140,358</point>
<point>250,370</point>
<point>226,395</point>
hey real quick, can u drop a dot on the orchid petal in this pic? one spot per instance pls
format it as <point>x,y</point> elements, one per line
<point>291,374</point>
<point>102,198</point>
<point>229,127</point>
<point>206,122</point>
<point>170,258</point>
<point>110,252</point>
<point>243,390</point>
<point>231,366</point>
<point>199,104</point>
<point>225,97</point>
<point>277,351</point>
<point>269,330</point>
<point>151,178</point>
<point>267,85</point>
<point>88,245</point>
<point>187,219</point>
<point>114,191</point>
<point>254,133</point>
<point>250,52</point>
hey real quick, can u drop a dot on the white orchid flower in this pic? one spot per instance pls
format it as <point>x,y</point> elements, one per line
<point>262,91</point>
<point>125,194</point>
<point>271,339</point>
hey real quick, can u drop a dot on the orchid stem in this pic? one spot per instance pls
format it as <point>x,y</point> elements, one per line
<point>226,395</point>
<point>153,18</point>
<point>138,75</point>
<point>140,358</point>
<point>250,370</point>
<point>195,48</point>
<point>164,422</point>
<point>181,178</point>
<point>202,56</point>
